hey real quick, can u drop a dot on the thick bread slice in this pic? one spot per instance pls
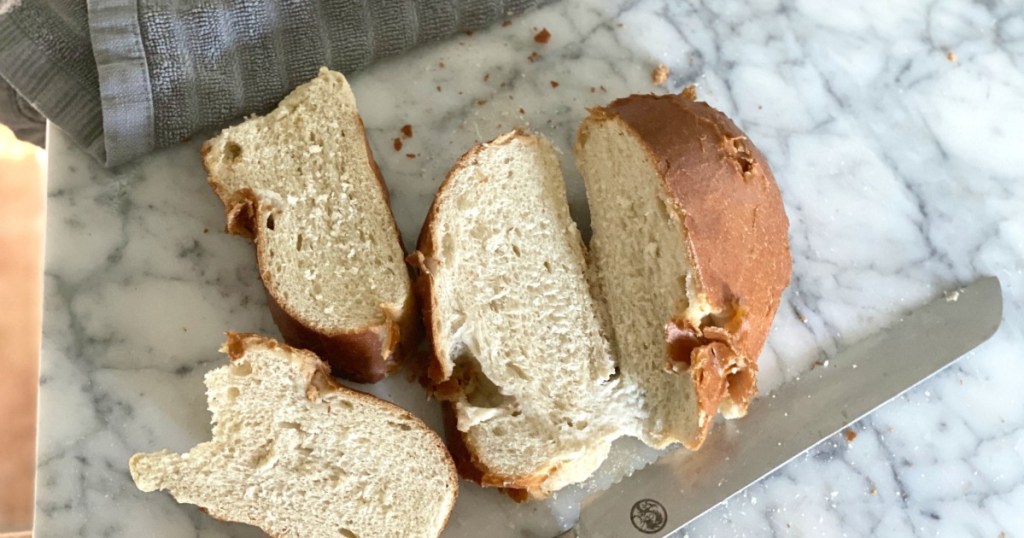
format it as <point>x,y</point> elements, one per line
<point>519,349</point>
<point>690,244</point>
<point>300,456</point>
<point>302,183</point>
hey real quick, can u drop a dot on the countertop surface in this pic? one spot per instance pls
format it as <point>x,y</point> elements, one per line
<point>896,132</point>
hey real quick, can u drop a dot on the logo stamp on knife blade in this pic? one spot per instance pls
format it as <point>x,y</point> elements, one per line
<point>648,516</point>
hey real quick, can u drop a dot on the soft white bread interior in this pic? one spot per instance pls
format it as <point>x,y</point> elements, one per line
<point>519,347</point>
<point>300,456</point>
<point>301,181</point>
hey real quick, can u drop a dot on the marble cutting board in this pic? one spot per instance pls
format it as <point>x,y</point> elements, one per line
<point>899,165</point>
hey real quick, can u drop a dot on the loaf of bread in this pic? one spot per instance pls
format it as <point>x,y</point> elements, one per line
<point>690,245</point>
<point>301,182</point>
<point>298,455</point>
<point>546,358</point>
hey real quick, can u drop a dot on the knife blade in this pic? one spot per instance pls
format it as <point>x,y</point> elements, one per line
<point>666,495</point>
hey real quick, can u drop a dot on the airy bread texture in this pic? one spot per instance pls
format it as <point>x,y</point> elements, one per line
<point>547,359</point>
<point>690,245</point>
<point>519,347</point>
<point>300,456</point>
<point>302,183</point>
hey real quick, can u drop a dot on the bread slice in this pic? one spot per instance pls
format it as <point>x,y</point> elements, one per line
<point>300,456</point>
<point>519,349</point>
<point>690,245</point>
<point>302,183</point>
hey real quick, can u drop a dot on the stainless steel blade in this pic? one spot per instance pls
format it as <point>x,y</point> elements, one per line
<point>670,493</point>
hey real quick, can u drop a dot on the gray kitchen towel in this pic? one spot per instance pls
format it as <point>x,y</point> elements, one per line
<point>125,77</point>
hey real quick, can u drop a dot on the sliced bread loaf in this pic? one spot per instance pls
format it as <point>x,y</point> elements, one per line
<point>519,349</point>
<point>302,183</point>
<point>546,359</point>
<point>300,456</point>
<point>690,245</point>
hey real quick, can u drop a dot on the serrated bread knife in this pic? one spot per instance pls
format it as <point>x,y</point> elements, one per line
<point>659,499</point>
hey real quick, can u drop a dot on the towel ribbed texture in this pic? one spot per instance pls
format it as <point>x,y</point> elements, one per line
<point>125,77</point>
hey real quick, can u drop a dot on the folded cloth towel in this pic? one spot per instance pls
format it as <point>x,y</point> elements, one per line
<point>125,77</point>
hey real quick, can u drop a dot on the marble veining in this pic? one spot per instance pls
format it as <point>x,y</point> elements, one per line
<point>895,130</point>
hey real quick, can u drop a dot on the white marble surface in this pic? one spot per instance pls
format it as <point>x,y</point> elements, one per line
<point>900,166</point>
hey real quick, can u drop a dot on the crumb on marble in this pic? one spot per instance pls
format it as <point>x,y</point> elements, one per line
<point>659,75</point>
<point>481,102</point>
<point>951,56</point>
<point>440,64</point>
<point>533,57</point>
<point>542,36</point>
<point>873,491</point>
<point>487,76</point>
<point>554,83</point>
<point>410,155</point>
<point>521,111</point>
<point>397,143</point>
<point>438,87</point>
<point>603,89</point>
<point>506,23</point>
<point>689,92</point>
<point>953,296</point>
<point>407,130</point>
<point>850,435</point>
<point>206,230</point>
<point>469,33</point>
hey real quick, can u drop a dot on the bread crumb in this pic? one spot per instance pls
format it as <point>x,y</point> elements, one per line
<point>481,102</point>
<point>953,296</point>
<point>439,88</point>
<point>660,75</point>
<point>554,83</point>
<point>506,23</point>
<point>689,92</point>
<point>521,111</point>
<point>850,435</point>
<point>603,89</point>
<point>469,33</point>
<point>874,491</point>
<point>398,144</point>
<point>410,155</point>
<point>533,56</point>
<point>487,76</point>
<point>542,36</point>
<point>951,56</point>
<point>407,130</point>
<point>207,230</point>
<point>440,64</point>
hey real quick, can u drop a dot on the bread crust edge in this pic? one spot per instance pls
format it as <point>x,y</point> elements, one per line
<point>364,355</point>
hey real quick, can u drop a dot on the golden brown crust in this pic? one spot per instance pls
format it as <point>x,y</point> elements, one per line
<point>366,355</point>
<point>736,229</point>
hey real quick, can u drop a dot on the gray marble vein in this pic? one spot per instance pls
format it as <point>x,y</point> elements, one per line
<point>896,131</point>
